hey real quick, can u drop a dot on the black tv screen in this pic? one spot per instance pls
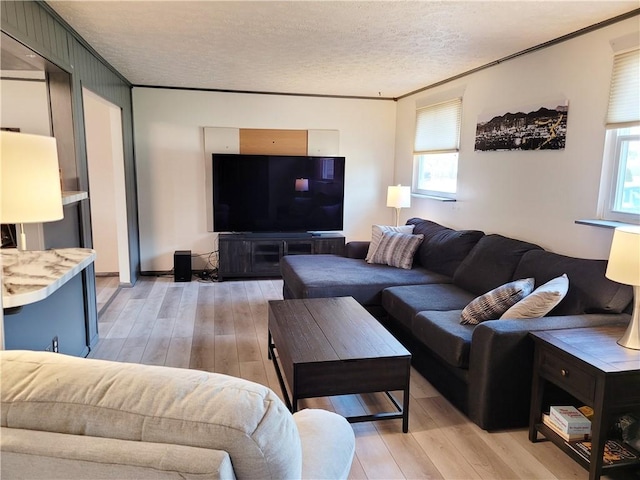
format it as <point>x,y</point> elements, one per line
<point>277,193</point>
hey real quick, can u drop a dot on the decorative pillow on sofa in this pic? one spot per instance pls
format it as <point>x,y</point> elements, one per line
<point>397,249</point>
<point>541,301</point>
<point>376,236</point>
<point>494,303</point>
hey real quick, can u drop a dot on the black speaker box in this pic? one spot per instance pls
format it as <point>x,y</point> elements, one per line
<point>182,266</point>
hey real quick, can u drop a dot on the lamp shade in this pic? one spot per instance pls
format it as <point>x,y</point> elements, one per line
<point>398,196</point>
<point>624,258</point>
<point>302,184</point>
<point>29,178</point>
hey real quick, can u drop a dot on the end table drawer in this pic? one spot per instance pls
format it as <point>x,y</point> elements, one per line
<point>567,375</point>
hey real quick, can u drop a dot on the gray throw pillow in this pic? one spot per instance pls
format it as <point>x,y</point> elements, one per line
<point>376,236</point>
<point>397,249</point>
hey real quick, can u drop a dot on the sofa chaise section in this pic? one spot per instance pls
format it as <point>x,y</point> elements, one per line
<point>436,260</point>
<point>321,276</point>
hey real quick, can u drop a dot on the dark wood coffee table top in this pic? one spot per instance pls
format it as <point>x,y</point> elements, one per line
<point>333,346</point>
<point>329,329</point>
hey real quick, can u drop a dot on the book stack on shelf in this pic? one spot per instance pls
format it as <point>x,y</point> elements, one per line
<point>616,452</point>
<point>575,428</point>
<point>568,422</point>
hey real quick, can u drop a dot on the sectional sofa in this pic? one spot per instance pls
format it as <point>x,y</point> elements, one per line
<point>65,417</point>
<point>484,369</point>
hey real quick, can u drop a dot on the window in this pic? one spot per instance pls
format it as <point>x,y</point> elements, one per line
<point>435,151</point>
<point>620,186</point>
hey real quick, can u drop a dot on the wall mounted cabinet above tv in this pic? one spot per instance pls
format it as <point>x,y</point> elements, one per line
<point>277,193</point>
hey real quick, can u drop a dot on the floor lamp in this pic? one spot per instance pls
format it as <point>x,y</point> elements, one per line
<point>624,267</point>
<point>29,181</point>
<point>398,197</point>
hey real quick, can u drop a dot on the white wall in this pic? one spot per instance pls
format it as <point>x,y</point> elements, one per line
<point>170,160</point>
<point>25,105</point>
<point>535,196</point>
<point>101,184</point>
<point>105,160</point>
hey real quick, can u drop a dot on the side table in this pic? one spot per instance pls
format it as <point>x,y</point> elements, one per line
<point>588,364</point>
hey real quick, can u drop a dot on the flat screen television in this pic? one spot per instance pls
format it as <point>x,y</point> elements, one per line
<point>277,193</point>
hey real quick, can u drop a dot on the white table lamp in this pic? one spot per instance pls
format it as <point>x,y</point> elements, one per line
<point>30,181</point>
<point>624,267</point>
<point>398,197</point>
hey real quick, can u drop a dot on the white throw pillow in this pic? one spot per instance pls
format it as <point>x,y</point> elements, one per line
<point>541,301</point>
<point>376,236</point>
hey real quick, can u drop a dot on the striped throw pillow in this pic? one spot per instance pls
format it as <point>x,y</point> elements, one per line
<point>376,236</point>
<point>494,303</point>
<point>397,249</point>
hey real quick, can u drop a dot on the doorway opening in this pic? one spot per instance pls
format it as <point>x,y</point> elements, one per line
<point>107,194</point>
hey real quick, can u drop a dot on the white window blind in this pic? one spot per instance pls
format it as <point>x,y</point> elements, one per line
<point>624,98</point>
<point>438,127</point>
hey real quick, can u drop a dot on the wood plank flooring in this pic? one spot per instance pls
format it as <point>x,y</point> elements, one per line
<point>106,288</point>
<point>222,327</point>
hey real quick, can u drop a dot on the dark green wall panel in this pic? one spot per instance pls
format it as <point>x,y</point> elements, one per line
<point>33,26</point>
<point>37,26</point>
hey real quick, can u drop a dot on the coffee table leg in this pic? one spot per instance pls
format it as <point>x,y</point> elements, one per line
<point>405,410</point>
<point>292,405</point>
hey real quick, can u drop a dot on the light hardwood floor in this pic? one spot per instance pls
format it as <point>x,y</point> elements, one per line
<point>222,327</point>
<point>106,288</point>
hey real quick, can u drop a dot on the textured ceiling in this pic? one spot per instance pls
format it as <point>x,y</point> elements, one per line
<point>352,48</point>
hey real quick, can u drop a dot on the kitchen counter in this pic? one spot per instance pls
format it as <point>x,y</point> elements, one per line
<point>31,276</point>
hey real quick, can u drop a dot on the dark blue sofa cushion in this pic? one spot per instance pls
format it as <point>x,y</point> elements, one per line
<point>491,263</point>
<point>443,249</point>
<point>403,303</point>
<point>589,290</point>
<point>321,276</point>
<point>442,333</point>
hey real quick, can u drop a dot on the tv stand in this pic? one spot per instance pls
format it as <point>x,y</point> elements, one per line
<point>259,254</point>
<point>279,235</point>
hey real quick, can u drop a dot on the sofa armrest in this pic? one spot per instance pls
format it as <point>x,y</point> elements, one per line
<point>356,249</point>
<point>328,444</point>
<point>501,366</point>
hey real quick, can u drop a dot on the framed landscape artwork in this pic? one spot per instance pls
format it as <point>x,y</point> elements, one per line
<point>538,128</point>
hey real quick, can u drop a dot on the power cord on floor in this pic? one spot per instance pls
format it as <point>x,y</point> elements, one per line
<point>210,272</point>
<point>207,275</point>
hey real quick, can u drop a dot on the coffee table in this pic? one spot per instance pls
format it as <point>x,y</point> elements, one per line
<point>333,346</point>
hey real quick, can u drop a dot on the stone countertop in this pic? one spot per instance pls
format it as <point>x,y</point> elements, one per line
<point>33,275</point>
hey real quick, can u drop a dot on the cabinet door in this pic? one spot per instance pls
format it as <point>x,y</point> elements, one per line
<point>61,315</point>
<point>266,256</point>
<point>235,257</point>
<point>298,247</point>
<point>333,246</point>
